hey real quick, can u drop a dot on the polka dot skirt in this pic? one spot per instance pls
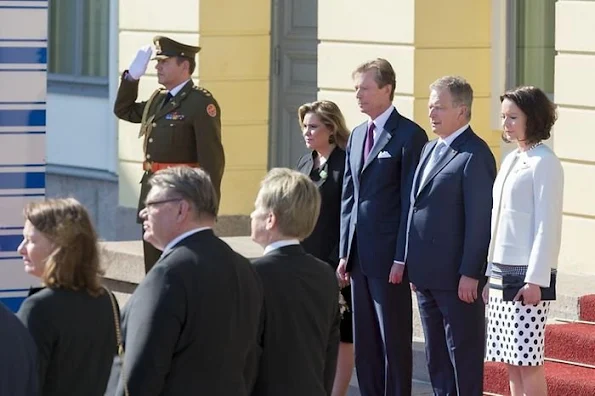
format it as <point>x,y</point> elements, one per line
<point>516,332</point>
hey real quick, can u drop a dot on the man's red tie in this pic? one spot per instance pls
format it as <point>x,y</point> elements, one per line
<point>369,142</point>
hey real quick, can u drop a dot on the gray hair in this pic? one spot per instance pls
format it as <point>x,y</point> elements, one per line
<point>192,185</point>
<point>293,198</point>
<point>459,88</point>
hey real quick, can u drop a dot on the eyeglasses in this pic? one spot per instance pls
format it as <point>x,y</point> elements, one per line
<point>150,205</point>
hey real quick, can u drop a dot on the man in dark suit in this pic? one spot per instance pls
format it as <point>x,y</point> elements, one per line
<point>19,375</point>
<point>448,238</point>
<point>180,123</point>
<point>190,324</point>
<point>382,154</point>
<point>299,339</point>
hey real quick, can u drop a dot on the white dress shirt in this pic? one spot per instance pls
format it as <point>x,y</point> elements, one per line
<point>451,138</point>
<point>279,244</point>
<point>174,91</point>
<point>380,121</point>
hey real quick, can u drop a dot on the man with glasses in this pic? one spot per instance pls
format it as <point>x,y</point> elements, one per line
<point>190,324</point>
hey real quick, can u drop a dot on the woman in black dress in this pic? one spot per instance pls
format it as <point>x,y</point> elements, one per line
<point>72,318</point>
<point>325,134</point>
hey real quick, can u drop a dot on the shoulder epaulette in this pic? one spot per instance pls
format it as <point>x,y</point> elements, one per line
<point>202,90</point>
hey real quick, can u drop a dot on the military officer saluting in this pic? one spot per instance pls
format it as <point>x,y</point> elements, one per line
<point>180,123</point>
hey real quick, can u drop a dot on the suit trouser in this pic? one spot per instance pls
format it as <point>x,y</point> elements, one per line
<point>382,330</point>
<point>151,254</point>
<point>454,333</point>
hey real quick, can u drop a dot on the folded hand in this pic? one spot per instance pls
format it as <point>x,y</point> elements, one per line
<point>342,274</point>
<point>468,289</point>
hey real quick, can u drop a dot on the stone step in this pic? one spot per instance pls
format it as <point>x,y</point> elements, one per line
<point>124,269</point>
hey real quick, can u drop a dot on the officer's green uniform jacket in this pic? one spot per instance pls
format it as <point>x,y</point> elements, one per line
<point>185,130</point>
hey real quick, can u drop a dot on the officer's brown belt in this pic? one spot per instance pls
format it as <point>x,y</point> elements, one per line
<point>150,166</point>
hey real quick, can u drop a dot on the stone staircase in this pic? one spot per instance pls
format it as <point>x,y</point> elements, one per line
<point>569,355</point>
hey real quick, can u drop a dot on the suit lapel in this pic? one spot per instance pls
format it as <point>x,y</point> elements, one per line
<point>382,138</point>
<point>356,152</point>
<point>175,102</point>
<point>423,159</point>
<point>306,169</point>
<point>448,156</point>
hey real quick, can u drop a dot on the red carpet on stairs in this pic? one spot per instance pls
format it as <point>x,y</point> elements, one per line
<point>587,308</point>
<point>573,342</point>
<point>562,379</point>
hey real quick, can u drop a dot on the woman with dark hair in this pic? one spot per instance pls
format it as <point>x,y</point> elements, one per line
<point>71,318</point>
<point>326,135</point>
<point>525,241</point>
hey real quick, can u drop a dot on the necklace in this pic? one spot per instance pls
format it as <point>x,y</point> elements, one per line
<point>531,147</point>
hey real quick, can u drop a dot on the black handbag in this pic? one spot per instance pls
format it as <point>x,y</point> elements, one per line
<point>511,284</point>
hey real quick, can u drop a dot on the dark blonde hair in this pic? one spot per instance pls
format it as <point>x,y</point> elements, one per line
<point>293,198</point>
<point>384,73</point>
<point>330,115</point>
<point>74,262</point>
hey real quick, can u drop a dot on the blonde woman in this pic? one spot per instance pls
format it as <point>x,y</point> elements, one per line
<point>71,318</point>
<point>326,135</point>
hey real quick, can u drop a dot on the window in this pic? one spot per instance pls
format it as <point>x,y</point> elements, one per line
<point>531,43</point>
<point>78,46</point>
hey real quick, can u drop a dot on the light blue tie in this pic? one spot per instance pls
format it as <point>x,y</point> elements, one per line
<point>432,161</point>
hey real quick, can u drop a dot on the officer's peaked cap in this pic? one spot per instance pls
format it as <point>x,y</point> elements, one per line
<point>167,47</point>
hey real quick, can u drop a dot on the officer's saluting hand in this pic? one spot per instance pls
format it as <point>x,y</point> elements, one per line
<point>180,123</point>
<point>138,67</point>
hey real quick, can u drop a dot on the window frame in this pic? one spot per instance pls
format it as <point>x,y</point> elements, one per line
<point>511,47</point>
<point>511,44</point>
<point>78,84</point>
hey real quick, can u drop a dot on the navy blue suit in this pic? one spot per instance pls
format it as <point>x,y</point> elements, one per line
<point>374,211</point>
<point>448,236</point>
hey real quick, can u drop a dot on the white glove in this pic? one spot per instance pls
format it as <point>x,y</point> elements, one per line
<point>138,67</point>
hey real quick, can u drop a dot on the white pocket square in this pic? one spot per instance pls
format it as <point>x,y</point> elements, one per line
<point>384,154</point>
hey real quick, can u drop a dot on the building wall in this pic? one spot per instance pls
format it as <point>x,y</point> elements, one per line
<point>422,39</point>
<point>81,151</point>
<point>236,69</point>
<point>390,34</point>
<point>455,37</point>
<point>574,87</point>
<point>79,133</point>
<point>233,64</point>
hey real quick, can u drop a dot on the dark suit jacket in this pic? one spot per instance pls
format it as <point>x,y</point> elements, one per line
<point>323,243</point>
<point>300,333</point>
<point>190,324</point>
<point>376,193</point>
<point>450,219</point>
<point>181,131</point>
<point>18,366</point>
<point>75,336</point>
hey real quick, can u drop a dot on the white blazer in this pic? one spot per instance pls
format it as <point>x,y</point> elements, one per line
<point>527,213</point>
